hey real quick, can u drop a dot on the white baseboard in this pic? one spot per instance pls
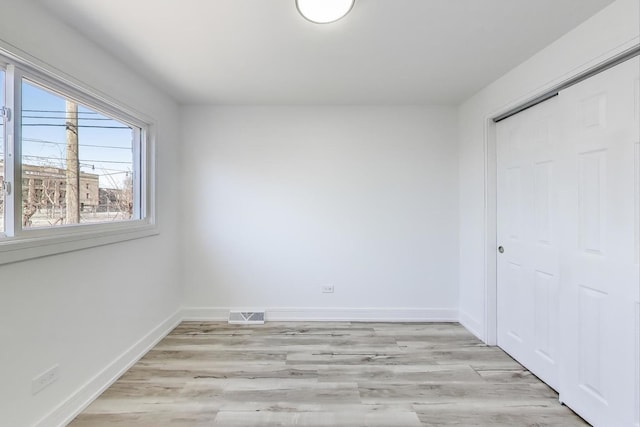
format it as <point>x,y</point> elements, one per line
<point>471,324</point>
<point>211,314</point>
<point>78,401</point>
<point>320,314</point>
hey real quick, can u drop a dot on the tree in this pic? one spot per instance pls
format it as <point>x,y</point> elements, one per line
<point>51,199</point>
<point>29,207</point>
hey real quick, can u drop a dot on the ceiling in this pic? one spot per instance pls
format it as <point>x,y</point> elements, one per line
<point>263,52</point>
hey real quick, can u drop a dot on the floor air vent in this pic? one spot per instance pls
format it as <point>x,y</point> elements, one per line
<point>246,317</point>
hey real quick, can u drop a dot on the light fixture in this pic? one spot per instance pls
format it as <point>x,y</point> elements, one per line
<point>324,11</point>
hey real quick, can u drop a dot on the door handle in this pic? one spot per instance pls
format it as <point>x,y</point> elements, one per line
<point>500,249</point>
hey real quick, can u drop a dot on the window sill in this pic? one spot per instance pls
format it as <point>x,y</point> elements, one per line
<point>24,248</point>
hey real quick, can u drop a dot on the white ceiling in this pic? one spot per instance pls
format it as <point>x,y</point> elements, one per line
<point>263,52</point>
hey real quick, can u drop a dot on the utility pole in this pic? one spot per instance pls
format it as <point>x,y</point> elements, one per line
<point>72,195</point>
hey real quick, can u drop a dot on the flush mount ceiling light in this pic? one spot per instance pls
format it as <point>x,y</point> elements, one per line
<point>324,11</point>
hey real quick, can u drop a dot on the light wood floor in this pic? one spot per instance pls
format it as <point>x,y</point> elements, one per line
<point>326,374</point>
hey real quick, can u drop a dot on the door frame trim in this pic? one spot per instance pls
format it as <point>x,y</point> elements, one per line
<point>600,63</point>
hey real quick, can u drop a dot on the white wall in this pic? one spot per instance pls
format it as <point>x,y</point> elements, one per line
<point>284,199</point>
<point>82,310</point>
<point>611,31</point>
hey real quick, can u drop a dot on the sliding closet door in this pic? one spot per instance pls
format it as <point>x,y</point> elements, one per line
<point>598,208</point>
<point>528,264</point>
<point>569,233</point>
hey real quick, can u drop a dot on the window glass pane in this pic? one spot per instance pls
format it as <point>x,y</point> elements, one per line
<point>77,164</point>
<point>1,154</point>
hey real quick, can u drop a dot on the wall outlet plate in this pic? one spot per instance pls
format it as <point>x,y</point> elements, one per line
<point>45,379</point>
<point>327,289</point>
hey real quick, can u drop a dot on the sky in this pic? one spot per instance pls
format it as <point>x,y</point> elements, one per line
<point>105,145</point>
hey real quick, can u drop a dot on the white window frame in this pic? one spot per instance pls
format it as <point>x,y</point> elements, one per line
<point>16,243</point>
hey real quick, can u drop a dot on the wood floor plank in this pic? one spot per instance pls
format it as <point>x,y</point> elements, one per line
<point>147,419</point>
<point>311,419</point>
<point>505,413</point>
<point>452,392</point>
<point>318,374</point>
<point>398,373</point>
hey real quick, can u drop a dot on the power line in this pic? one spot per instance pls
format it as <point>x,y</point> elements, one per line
<point>113,173</point>
<point>65,118</point>
<point>109,171</point>
<point>59,159</point>
<point>43,141</point>
<point>58,111</point>
<point>81,160</point>
<point>80,126</point>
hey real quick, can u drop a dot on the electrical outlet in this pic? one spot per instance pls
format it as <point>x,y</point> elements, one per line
<point>45,379</point>
<point>327,289</point>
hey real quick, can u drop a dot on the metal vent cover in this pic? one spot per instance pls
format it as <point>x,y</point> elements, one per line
<point>246,317</point>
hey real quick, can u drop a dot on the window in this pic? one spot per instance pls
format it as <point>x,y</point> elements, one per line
<point>2,184</point>
<point>64,139</point>
<point>57,140</point>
